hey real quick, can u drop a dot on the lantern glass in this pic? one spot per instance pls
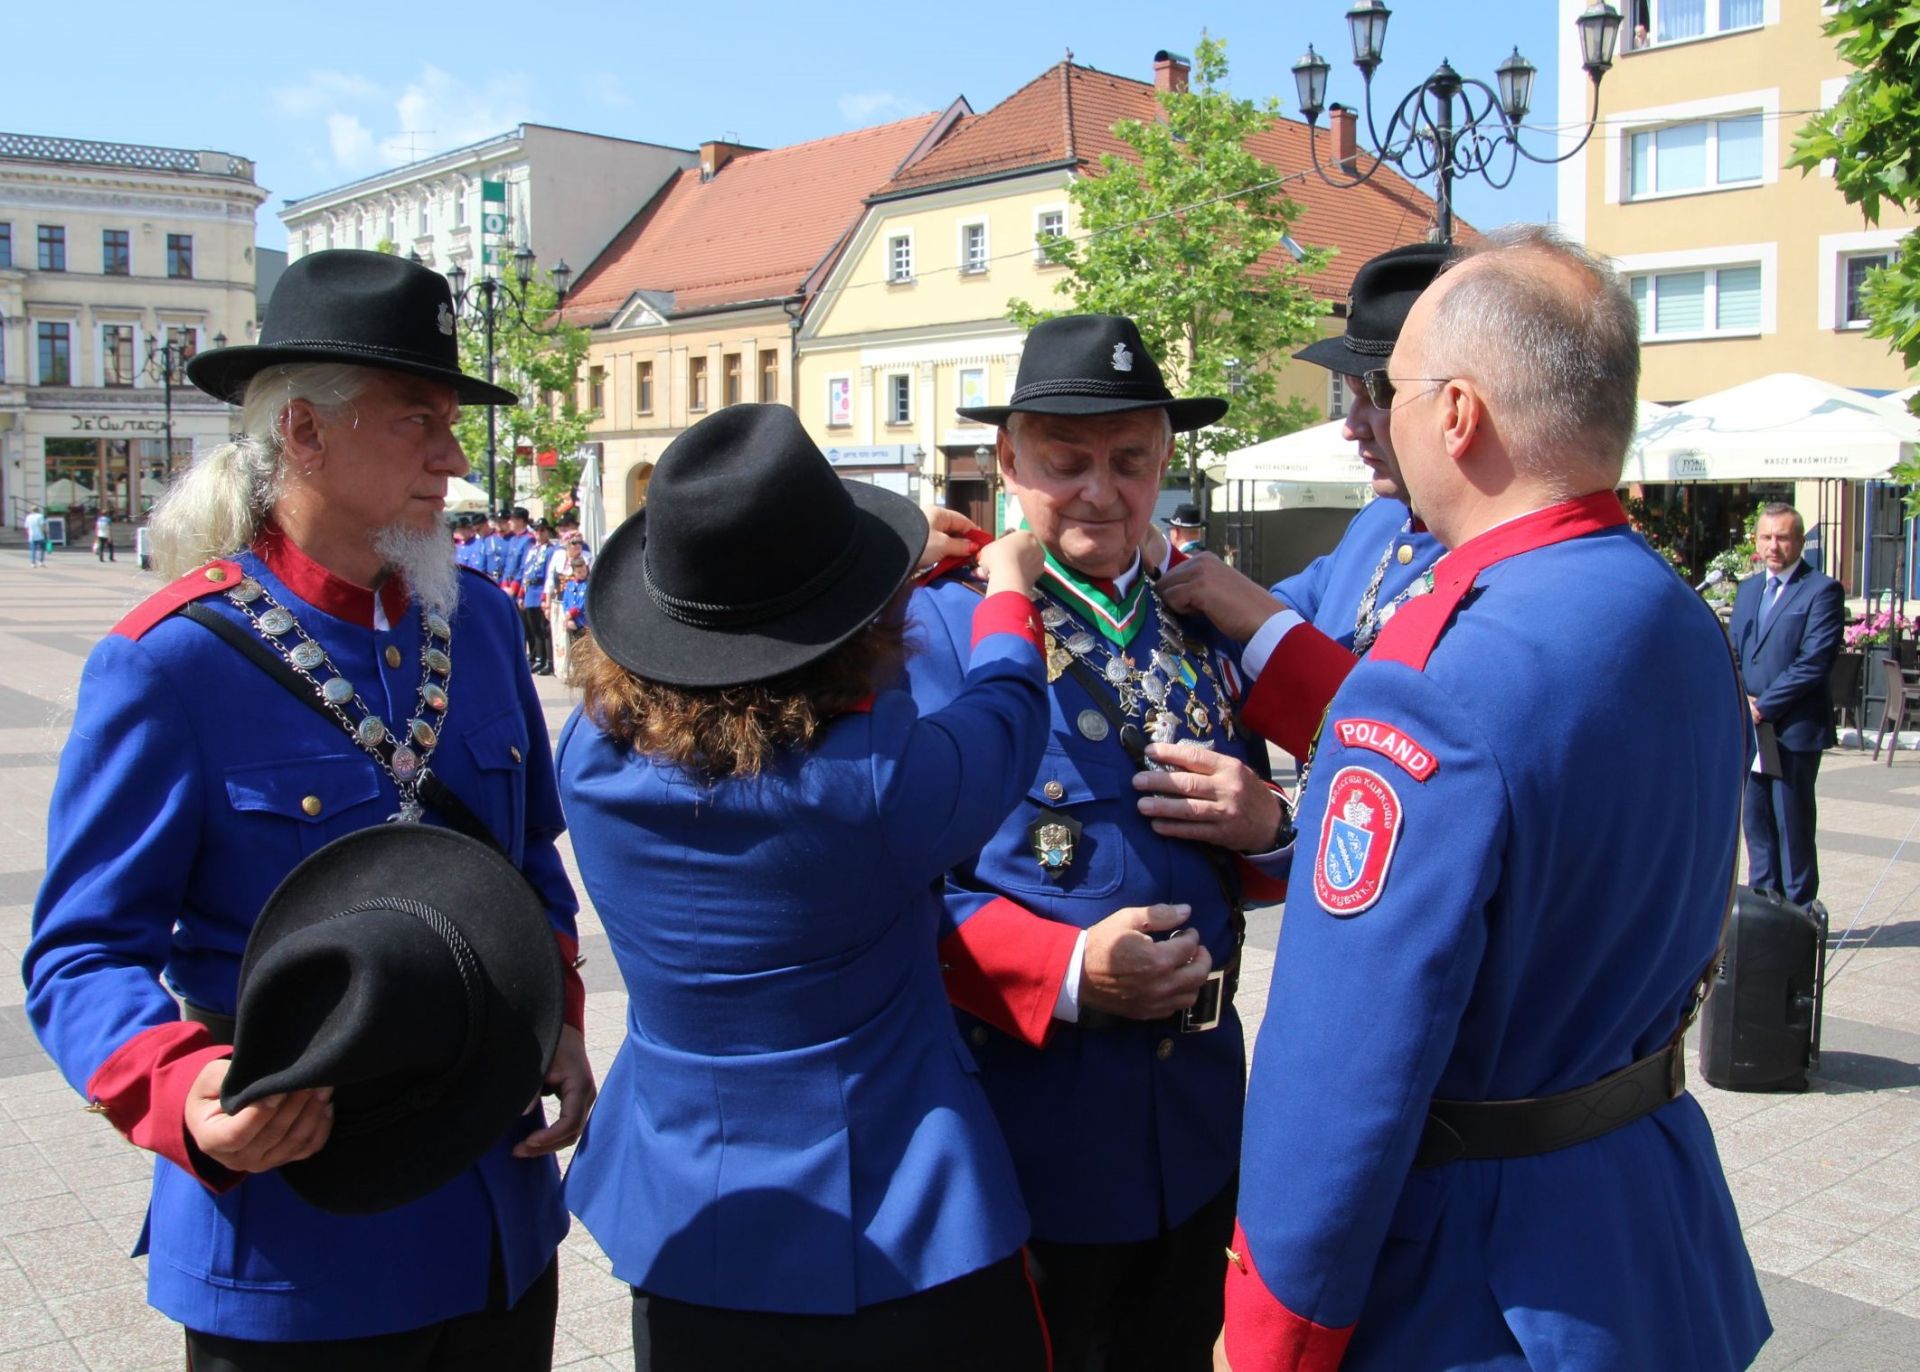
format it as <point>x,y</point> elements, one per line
<point>1516,86</point>
<point>1599,31</point>
<point>219,340</point>
<point>457,278</point>
<point>1310,79</point>
<point>523,266</point>
<point>562,278</point>
<point>1367,26</point>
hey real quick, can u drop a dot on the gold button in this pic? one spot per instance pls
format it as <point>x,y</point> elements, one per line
<point>1164,1049</point>
<point>513,753</point>
<point>216,574</point>
<point>979,1036</point>
<point>1405,554</point>
<point>311,805</point>
<point>393,656</point>
<point>1055,791</point>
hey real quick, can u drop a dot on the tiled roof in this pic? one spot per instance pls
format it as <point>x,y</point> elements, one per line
<point>1067,114</point>
<point>754,232</point>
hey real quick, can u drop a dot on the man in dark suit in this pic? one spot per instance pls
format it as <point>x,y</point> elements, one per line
<point>1786,630</point>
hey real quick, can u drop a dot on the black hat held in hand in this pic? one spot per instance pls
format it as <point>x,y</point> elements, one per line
<point>414,971</point>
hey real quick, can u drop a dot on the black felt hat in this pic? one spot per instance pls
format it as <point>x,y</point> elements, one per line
<point>344,305</point>
<point>750,558</point>
<point>1384,290</point>
<point>413,970</point>
<point>1186,516</point>
<point>1083,364</point>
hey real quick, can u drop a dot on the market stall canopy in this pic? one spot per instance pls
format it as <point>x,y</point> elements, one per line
<point>1784,427</point>
<point>463,496</point>
<point>1322,454</point>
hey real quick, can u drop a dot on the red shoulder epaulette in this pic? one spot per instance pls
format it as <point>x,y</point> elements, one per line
<point>218,575</point>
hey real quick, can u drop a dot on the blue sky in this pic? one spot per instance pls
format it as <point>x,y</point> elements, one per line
<point>321,94</point>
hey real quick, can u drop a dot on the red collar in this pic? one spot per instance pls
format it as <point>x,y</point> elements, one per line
<point>323,589</point>
<point>1410,636</point>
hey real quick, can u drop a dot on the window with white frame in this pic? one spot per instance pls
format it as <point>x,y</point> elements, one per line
<point>1853,282</point>
<point>1701,155</point>
<point>973,248</point>
<point>899,398</point>
<point>1047,224</point>
<point>1650,23</point>
<point>116,355</point>
<point>973,387</point>
<point>1339,396</point>
<point>900,257</point>
<point>1707,302</point>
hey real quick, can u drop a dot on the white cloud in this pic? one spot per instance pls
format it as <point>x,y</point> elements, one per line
<point>872,107</point>
<point>325,90</point>
<point>368,126</point>
<point>349,140</point>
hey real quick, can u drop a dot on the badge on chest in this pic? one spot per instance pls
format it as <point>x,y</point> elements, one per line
<point>1054,837</point>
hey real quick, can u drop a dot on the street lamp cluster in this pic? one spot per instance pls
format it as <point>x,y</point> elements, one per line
<point>1423,136</point>
<point>166,363</point>
<point>489,302</point>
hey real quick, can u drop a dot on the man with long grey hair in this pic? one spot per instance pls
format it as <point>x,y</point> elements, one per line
<point>195,780</point>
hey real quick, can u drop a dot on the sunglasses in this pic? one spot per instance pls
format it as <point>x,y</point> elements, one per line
<point>1380,387</point>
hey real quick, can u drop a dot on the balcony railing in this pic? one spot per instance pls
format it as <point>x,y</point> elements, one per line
<point>39,148</point>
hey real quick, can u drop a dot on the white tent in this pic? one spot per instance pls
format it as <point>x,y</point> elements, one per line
<point>463,496</point>
<point>1784,427</point>
<point>1318,455</point>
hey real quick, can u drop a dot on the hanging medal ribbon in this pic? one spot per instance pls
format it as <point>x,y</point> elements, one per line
<point>1119,621</point>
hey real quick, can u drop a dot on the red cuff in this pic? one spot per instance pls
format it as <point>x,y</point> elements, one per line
<point>1262,1334</point>
<point>1005,966</point>
<point>1289,699</point>
<point>142,1089</point>
<point>1005,612</point>
<point>575,1010</point>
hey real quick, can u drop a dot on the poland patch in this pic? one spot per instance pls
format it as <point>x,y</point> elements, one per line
<point>1357,840</point>
<point>1389,742</point>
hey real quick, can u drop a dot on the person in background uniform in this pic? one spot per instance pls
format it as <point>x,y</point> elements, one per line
<point>491,536</point>
<point>194,781</point>
<point>797,1167</point>
<point>513,554</point>
<point>466,551</point>
<point>573,590</point>
<point>36,537</point>
<point>1186,530</point>
<point>1468,1143</point>
<point>103,538</point>
<point>1095,936</point>
<point>533,599</point>
<point>1786,628</point>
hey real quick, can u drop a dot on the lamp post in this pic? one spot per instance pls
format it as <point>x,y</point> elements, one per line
<point>1423,136</point>
<point>491,301</point>
<point>166,362</point>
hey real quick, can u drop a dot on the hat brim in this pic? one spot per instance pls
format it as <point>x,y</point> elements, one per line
<point>1336,356</point>
<point>1195,412</point>
<point>889,532</point>
<point>225,372</point>
<point>500,916</point>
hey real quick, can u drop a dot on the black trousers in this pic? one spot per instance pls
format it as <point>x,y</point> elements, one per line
<point>986,1321</point>
<point>539,635</point>
<point>496,1339</point>
<point>1151,1306</point>
<point>1779,820</point>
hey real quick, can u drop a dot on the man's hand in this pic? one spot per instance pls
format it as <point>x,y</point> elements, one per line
<point>571,1077</point>
<point>1753,707</point>
<point>1208,797</point>
<point>270,1132</point>
<point>944,536</point>
<point>1127,973</point>
<point>1204,585</point>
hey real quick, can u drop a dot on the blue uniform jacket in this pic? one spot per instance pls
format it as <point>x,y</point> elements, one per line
<point>534,574</point>
<point>1111,1138</point>
<point>513,556</point>
<point>493,555</point>
<point>1326,593</point>
<point>1786,662</point>
<point>470,554</point>
<point>178,809</point>
<point>792,1123</point>
<point>1521,864</point>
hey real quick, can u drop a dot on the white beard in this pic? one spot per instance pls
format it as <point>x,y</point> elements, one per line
<point>423,560</point>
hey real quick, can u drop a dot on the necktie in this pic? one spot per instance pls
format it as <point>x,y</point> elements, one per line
<point>1771,599</point>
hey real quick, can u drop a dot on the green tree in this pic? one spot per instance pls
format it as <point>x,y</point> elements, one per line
<point>1872,137</point>
<point>1189,238</point>
<point>544,369</point>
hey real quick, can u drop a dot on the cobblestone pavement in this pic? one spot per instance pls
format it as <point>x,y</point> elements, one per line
<point>1828,1183</point>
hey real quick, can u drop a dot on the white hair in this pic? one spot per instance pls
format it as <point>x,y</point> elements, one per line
<point>215,507</point>
<point>423,560</point>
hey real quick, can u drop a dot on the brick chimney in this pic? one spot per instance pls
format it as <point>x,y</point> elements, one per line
<point>1344,124</point>
<point>715,154</point>
<point>1169,71</point>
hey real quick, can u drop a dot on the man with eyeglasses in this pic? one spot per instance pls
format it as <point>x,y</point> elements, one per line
<point>1468,1140</point>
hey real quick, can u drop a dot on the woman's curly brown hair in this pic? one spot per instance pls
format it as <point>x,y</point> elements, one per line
<point>726,731</point>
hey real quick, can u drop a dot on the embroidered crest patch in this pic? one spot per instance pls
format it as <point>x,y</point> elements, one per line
<point>1389,742</point>
<point>1357,839</point>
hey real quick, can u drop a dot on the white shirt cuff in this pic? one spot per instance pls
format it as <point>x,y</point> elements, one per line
<point>1253,658</point>
<point>1067,1005</point>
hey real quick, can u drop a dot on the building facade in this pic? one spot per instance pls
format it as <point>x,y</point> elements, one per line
<point>114,257</point>
<point>561,193</point>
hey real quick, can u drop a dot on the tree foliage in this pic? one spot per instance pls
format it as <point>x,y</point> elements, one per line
<point>1175,236</point>
<point>544,369</point>
<point>1871,136</point>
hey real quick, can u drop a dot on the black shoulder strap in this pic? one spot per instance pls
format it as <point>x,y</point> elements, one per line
<point>432,790</point>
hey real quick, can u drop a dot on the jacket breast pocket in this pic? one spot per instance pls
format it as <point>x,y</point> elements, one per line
<point>497,751</point>
<point>297,803</point>
<point>1098,796</point>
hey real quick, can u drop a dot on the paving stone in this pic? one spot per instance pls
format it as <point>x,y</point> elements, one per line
<point>122,1200</point>
<point>108,1308</point>
<point>48,1357</point>
<point>130,1346</point>
<point>1851,1279</point>
<point>75,1258</point>
<point>27,1326</point>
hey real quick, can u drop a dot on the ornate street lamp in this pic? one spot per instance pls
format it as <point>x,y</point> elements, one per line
<point>492,302</point>
<point>166,363</point>
<point>1423,136</point>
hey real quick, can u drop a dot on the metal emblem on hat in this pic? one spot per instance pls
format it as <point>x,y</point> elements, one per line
<point>1122,359</point>
<point>1093,726</point>
<point>445,321</point>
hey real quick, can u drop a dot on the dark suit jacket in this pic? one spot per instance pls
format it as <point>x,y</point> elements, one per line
<point>1785,662</point>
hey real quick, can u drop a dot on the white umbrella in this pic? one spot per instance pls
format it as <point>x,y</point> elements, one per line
<point>463,495</point>
<point>1320,455</point>
<point>1784,427</point>
<point>593,509</point>
<point>66,491</point>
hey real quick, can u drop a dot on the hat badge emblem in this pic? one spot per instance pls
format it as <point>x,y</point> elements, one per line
<point>1122,359</point>
<point>445,320</point>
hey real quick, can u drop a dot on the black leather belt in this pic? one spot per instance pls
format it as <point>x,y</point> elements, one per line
<point>1460,1130</point>
<point>1203,1016</point>
<point>220,1026</point>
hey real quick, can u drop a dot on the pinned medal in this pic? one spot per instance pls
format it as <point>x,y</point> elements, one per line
<point>422,732</point>
<point>438,662</point>
<point>276,621</point>
<point>1198,719</point>
<point>338,690</point>
<point>1054,837</point>
<point>405,763</point>
<point>1117,671</point>
<point>435,696</point>
<point>437,626</point>
<point>1164,663</point>
<point>1154,688</point>
<point>1081,643</point>
<point>1093,726</point>
<point>1052,616</point>
<point>1058,659</point>
<point>306,656</point>
<point>247,591</point>
<point>370,731</point>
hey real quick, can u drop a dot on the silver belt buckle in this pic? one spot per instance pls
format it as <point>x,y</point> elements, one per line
<point>1204,1014</point>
